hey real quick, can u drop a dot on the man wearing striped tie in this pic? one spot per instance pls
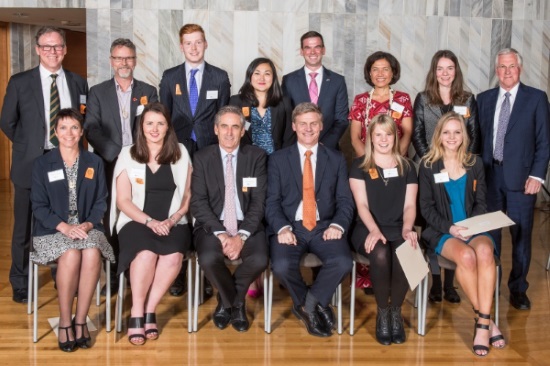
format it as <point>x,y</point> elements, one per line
<point>32,101</point>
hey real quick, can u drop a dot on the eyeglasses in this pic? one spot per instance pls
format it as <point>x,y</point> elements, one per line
<point>47,48</point>
<point>120,59</point>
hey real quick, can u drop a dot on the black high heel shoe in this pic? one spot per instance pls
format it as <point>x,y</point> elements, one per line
<point>68,345</point>
<point>82,342</point>
<point>480,347</point>
<point>152,333</point>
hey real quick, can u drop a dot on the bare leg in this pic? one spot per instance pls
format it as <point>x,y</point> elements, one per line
<point>68,269</point>
<point>89,275</point>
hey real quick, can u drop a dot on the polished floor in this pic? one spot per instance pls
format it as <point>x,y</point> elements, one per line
<point>448,338</point>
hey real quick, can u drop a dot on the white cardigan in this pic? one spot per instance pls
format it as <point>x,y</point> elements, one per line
<point>136,174</point>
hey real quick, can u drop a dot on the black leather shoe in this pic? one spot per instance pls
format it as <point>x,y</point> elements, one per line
<point>239,320</point>
<point>222,316</point>
<point>68,345</point>
<point>520,301</point>
<point>451,295</point>
<point>383,325</point>
<point>84,342</point>
<point>435,294</point>
<point>327,316</point>
<point>179,286</point>
<point>20,296</point>
<point>397,329</point>
<point>312,322</point>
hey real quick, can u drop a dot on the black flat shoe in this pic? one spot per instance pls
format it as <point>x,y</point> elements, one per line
<point>82,342</point>
<point>151,333</point>
<point>383,326</point>
<point>20,296</point>
<point>136,339</point>
<point>222,316</point>
<point>520,301</point>
<point>451,295</point>
<point>435,294</point>
<point>179,286</point>
<point>239,320</point>
<point>68,345</point>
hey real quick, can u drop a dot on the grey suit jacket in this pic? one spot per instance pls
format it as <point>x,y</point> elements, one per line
<point>23,119</point>
<point>103,126</point>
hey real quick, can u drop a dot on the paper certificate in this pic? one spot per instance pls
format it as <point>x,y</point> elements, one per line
<point>413,263</point>
<point>486,222</point>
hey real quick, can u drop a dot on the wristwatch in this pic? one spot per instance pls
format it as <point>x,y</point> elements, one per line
<point>243,237</point>
<point>148,220</point>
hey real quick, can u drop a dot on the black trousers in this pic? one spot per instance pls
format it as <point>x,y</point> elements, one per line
<point>20,238</point>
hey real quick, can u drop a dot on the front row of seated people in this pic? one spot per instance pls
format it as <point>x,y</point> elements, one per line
<point>303,191</point>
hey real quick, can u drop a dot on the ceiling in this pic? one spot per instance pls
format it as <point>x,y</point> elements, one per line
<point>73,19</point>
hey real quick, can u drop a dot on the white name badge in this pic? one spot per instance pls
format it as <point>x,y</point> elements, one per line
<point>56,175</point>
<point>442,177</point>
<point>82,99</point>
<point>390,173</point>
<point>137,173</point>
<point>460,109</point>
<point>211,94</point>
<point>397,107</point>
<point>246,125</point>
<point>250,182</point>
<point>139,110</point>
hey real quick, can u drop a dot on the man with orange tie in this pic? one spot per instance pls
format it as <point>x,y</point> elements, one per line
<point>309,209</point>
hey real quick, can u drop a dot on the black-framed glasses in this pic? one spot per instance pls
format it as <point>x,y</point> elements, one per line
<point>47,47</point>
<point>120,59</point>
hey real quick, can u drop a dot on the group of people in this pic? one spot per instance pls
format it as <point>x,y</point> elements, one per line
<point>259,177</point>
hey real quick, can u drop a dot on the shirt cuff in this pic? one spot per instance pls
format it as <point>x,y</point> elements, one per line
<point>537,178</point>
<point>219,232</point>
<point>244,232</point>
<point>338,226</point>
<point>284,227</point>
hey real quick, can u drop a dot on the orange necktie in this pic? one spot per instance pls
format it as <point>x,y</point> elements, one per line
<point>309,208</point>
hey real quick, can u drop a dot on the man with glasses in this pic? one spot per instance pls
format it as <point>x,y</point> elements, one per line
<point>32,100</point>
<point>113,112</point>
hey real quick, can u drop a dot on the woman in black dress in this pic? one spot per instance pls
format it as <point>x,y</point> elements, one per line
<point>384,186</point>
<point>152,193</point>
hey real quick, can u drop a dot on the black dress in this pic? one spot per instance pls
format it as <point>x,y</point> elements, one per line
<point>135,237</point>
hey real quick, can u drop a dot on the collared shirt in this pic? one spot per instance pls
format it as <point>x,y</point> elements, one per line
<point>302,150</point>
<point>198,75</point>
<point>64,97</point>
<point>124,105</point>
<point>513,93</point>
<point>318,78</point>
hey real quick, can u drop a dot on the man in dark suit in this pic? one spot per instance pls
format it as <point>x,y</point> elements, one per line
<point>193,92</point>
<point>326,89</point>
<point>32,100</point>
<point>113,112</point>
<point>514,121</point>
<point>309,208</point>
<point>227,201</point>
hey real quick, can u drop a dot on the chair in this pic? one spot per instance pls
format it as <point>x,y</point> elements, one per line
<point>308,260</point>
<point>199,293</point>
<point>548,264</point>
<point>122,288</point>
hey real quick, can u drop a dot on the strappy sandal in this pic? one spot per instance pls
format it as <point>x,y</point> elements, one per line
<point>493,339</point>
<point>82,342</point>
<point>152,333</point>
<point>136,339</point>
<point>480,347</point>
<point>68,345</point>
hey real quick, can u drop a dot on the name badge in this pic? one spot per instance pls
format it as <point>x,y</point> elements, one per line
<point>462,110</point>
<point>211,94</point>
<point>373,173</point>
<point>390,173</point>
<point>82,99</point>
<point>246,125</point>
<point>250,182</point>
<point>139,110</point>
<point>56,175</point>
<point>138,175</point>
<point>397,107</point>
<point>442,177</point>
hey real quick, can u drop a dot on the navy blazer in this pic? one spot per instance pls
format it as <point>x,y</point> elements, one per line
<point>284,188</point>
<point>333,102</point>
<point>174,95</point>
<point>23,119</point>
<point>50,200</point>
<point>527,139</point>
<point>103,126</point>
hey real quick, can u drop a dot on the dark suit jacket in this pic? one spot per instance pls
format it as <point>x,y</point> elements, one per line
<point>23,119</point>
<point>284,190</point>
<point>50,200</point>
<point>333,102</point>
<point>103,126</point>
<point>527,139</point>
<point>178,103</point>
<point>208,188</point>
<point>281,121</point>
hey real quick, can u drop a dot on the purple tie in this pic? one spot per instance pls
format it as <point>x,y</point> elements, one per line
<point>193,97</point>
<point>503,118</point>
<point>230,211</point>
<point>313,88</point>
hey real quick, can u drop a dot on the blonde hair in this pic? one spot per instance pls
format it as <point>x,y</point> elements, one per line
<point>387,124</point>
<point>437,150</point>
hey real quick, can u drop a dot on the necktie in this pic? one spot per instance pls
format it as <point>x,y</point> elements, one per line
<point>54,108</point>
<point>230,211</point>
<point>193,97</point>
<point>309,209</point>
<point>313,88</point>
<point>503,118</point>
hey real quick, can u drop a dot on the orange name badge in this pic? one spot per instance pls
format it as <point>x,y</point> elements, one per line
<point>83,109</point>
<point>89,173</point>
<point>395,114</point>
<point>139,181</point>
<point>178,89</point>
<point>246,111</point>
<point>245,189</point>
<point>143,100</point>
<point>467,115</point>
<point>475,184</point>
<point>373,173</point>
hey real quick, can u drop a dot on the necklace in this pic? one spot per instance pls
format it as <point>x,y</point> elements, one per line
<point>382,176</point>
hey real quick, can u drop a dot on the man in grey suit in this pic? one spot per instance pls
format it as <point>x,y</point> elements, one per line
<point>32,100</point>
<point>326,88</point>
<point>114,106</point>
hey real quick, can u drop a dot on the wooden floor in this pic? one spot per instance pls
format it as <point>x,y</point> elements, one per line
<point>448,339</point>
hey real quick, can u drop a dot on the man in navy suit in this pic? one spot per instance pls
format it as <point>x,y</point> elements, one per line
<point>514,121</point>
<point>25,120</point>
<point>327,89</point>
<point>309,208</point>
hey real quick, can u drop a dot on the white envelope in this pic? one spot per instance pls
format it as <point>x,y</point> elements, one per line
<point>413,263</point>
<point>486,222</point>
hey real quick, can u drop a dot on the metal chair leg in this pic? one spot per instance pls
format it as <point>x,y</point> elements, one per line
<point>108,295</point>
<point>189,295</point>
<point>339,295</point>
<point>35,303</point>
<point>197,296</point>
<point>120,302</point>
<point>497,289</point>
<point>352,301</point>
<point>269,302</point>
<point>548,264</point>
<point>29,288</point>
<point>266,291</point>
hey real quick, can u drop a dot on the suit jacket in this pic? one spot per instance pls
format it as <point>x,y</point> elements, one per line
<point>527,139</point>
<point>208,188</point>
<point>174,95</point>
<point>284,190</point>
<point>281,121</point>
<point>333,102</point>
<point>23,119</point>
<point>50,200</point>
<point>103,126</point>
<point>426,117</point>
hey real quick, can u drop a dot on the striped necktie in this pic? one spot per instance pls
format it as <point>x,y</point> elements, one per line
<point>54,108</point>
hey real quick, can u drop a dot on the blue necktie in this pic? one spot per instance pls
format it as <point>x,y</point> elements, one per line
<point>193,97</point>
<point>503,119</point>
